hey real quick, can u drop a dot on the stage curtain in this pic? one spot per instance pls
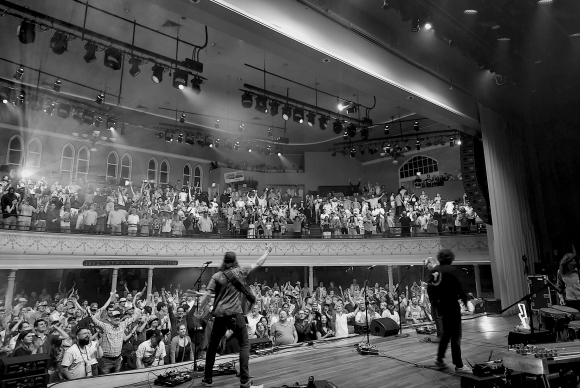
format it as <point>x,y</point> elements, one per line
<point>513,230</point>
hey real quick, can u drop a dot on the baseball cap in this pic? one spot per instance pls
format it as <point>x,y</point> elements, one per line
<point>44,303</point>
<point>115,313</point>
<point>230,257</point>
<point>23,300</point>
<point>122,300</point>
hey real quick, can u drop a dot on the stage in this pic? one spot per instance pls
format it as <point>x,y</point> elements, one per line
<point>338,362</point>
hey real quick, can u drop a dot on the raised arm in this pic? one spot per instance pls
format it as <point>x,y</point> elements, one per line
<point>263,258</point>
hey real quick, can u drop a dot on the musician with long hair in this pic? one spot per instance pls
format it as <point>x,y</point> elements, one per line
<point>231,298</point>
<point>568,282</point>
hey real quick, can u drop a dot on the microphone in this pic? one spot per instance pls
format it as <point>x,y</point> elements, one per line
<point>372,266</point>
<point>207,263</point>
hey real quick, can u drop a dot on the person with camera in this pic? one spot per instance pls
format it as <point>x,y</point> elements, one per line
<point>229,307</point>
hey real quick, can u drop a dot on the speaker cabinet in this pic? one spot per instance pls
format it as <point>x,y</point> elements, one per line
<point>474,176</point>
<point>384,327</point>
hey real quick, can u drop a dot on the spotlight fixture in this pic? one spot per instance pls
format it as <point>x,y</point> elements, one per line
<point>458,142</point>
<point>298,115</point>
<point>399,149</point>
<point>59,43</point>
<point>267,150</point>
<point>209,141</point>
<point>470,12</point>
<point>345,135</point>
<point>216,124</point>
<point>91,50</point>
<point>182,118</point>
<point>270,132</point>
<point>249,147</point>
<point>134,62</point>
<point>196,85</point>
<point>189,139</point>
<point>236,146</point>
<point>26,32</point>
<point>545,1</point>
<point>157,76</point>
<point>428,26</point>
<point>179,79</point>
<point>351,129</point>
<point>352,152</point>
<point>21,96</point>
<point>286,112</point>
<point>19,73</point>
<point>111,123</point>
<point>387,129</point>
<point>247,100</point>
<point>63,111</point>
<point>100,98</point>
<point>337,126</point>
<point>416,126</point>
<point>415,25</point>
<point>311,118</point>
<point>216,143</point>
<point>274,107</point>
<point>168,137</point>
<point>89,117</point>
<point>351,108</point>
<point>242,127</point>
<point>323,122</point>
<point>262,104</point>
<point>364,132</point>
<point>49,108</point>
<point>451,141</point>
<point>113,58</point>
<point>418,144</point>
<point>56,86</point>
<point>407,148</point>
<point>98,121</point>
<point>180,138</point>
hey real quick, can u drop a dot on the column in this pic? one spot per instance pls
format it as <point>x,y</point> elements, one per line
<point>311,279</point>
<point>114,279</point>
<point>10,288</point>
<point>149,281</point>
<point>477,280</point>
<point>305,280</point>
<point>390,272</point>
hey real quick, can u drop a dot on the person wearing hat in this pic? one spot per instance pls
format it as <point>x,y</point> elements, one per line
<point>568,282</point>
<point>229,312</point>
<point>152,351</point>
<point>446,295</point>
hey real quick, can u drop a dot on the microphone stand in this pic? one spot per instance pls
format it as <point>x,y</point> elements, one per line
<point>198,284</point>
<point>400,334</point>
<point>367,349</point>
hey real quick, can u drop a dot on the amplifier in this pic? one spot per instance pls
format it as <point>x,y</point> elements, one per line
<point>38,381</point>
<point>13,367</point>
<point>544,298</point>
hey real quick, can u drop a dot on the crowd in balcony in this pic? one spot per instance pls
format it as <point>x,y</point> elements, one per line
<point>184,211</point>
<point>136,330</point>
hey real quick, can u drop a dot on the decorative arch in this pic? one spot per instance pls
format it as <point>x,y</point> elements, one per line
<point>67,159</point>
<point>164,170</point>
<point>126,166</point>
<point>33,153</point>
<point>112,165</point>
<point>187,173</point>
<point>417,164</point>
<point>83,163</point>
<point>15,151</point>
<point>152,170</point>
<point>197,176</point>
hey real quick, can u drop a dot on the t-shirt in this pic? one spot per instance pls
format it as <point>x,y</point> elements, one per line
<point>78,361</point>
<point>230,301</point>
<point>145,350</point>
<point>283,333</point>
<point>253,321</point>
<point>415,312</point>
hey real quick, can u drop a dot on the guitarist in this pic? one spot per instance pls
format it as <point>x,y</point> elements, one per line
<point>233,299</point>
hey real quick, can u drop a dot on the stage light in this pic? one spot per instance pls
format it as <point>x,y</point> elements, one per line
<point>19,73</point>
<point>216,143</point>
<point>241,127</point>
<point>352,152</point>
<point>113,58</point>
<point>337,126</point>
<point>298,115</point>
<point>89,117</point>
<point>157,76</point>
<point>286,112</point>
<point>100,98</point>
<point>98,121</point>
<point>451,141</point>
<point>249,147</point>
<point>168,137</point>
<point>134,62</point>
<point>196,85</point>
<point>111,123</point>
<point>470,12</point>
<point>179,79</point>
<point>5,94</point>
<point>345,135</point>
<point>323,122</point>
<point>209,141</point>
<point>49,108</point>
<point>341,107</point>
<point>216,124</point>
<point>236,146</point>
<point>274,107</point>
<point>415,25</point>
<point>279,153</point>
<point>387,129</point>
<point>352,108</point>
<point>418,145</point>
<point>270,132</point>
<point>56,86</point>
<point>247,100</point>
<point>311,118</point>
<point>364,132</point>
<point>428,26</point>
<point>407,148</point>
<point>262,104</point>
<point>21,96</point>
<point>91,50</point>
<point>63,111</point>
<point>189,139</point>
<point>180,138</point>
<point>545,1</point>
<point>351,129</point>
<point>267,150</point>
<point>26,32</point>
<point>182,118</point>
<point>416,126</point>
<point>59,43</point>
<point>398,148</point>
<point>458,142</point>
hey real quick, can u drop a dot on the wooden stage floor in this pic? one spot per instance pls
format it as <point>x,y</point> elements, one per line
<point>338,361</point>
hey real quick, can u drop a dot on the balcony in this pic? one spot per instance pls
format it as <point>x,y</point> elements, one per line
<point>33,250</point>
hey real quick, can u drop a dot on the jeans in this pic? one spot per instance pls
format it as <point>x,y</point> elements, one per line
<point>451,318</point>
<point>438,318</point>
<point>237,324</point>
<point>109,365</point>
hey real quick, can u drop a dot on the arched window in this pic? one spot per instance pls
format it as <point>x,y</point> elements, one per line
<point>83,160</point>
<point>33,154</point>
<point>112,164</point>
<point>15,152</point>
<point>197,176</point>
<point>67,160</point>
<point>418,164</point>
<point>152,170</point>
<point>164,172</point>
<point>186,175</point>
<point>126,166</point>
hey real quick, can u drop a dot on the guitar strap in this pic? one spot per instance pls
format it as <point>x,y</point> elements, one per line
<point>238,285</point>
